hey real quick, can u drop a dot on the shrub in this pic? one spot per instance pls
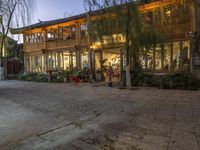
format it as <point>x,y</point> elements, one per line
<point>185,80</point>
<point>178,80</point>
<point>42,78</point>
<point>67,74</point>
<point>58,77</point>
<point>165,82</point>
<point>21,76</point>
<point>137,76</point>
<point>36,77</point>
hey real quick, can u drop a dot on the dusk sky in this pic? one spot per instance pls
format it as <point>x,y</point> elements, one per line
<point>54,9</point>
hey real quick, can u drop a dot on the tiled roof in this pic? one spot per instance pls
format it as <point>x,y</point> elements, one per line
<point>42,24</point>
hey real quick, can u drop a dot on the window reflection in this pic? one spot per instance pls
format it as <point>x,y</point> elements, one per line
<point>158,62</point>
<point>167,56</point>
<point>176,55</point>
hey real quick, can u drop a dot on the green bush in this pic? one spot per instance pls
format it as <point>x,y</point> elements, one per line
<point>165,81</point>
<point>137,76</point>
<point>42,78</point>
<point>36,77</point>
<point>67,74</point>
<point>185,80</point>
<point>58,77</point>
<point>21,76</point>
<point>178,80</point>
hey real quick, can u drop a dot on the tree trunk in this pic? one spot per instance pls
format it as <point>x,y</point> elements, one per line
<point>1,70</point>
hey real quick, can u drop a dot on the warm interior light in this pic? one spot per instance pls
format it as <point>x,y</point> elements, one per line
<point>168,13</point>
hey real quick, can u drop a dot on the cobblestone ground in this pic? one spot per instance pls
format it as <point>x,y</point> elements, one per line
<point>40,116</point>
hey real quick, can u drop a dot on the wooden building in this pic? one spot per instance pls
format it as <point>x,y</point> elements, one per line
<point>64,43</point>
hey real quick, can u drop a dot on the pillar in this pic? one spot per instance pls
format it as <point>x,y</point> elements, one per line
<point>162,55</point>
<point>154,57</point>
<point>171,56</point>
<point>121,65</point>
<point>181,56</point>
<point>78,33</point>
<point>101,64</point>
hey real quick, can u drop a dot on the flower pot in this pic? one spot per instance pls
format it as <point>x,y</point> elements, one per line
<point>98,77</point>
<point>110,84</point>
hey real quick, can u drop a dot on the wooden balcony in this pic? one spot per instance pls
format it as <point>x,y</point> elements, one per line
<point>61,44</point>
<point>34,47</point>
<point>179,29</point>
<point>84,41</point>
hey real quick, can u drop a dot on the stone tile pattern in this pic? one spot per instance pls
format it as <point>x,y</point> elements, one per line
<point>87,117</point>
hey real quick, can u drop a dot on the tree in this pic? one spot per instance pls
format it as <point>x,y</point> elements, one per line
<point>122,17</point>
<point>13,13</point>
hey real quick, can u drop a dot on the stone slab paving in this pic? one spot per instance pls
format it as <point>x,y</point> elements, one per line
<point>42,116</point>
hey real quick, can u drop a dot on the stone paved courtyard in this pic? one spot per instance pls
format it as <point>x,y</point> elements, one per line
<point>42,116</point>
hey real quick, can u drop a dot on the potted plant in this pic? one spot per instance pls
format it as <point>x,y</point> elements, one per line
<point>86,74</point>
<point>98,75</point>
<point>67,74</point>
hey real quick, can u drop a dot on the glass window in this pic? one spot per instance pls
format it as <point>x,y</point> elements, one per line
<point>186,54</point>
<point>83,30</point>
<point>74,59</point>
<point>176,55</point>
<point>50,61</point>
<point>66,60</point>
<point>147,59</point>
<point>66,33</point>
<point>73,32</point>
<point>51,34</point>
<point>186,50</point>
<point>84,60</point>
<point>158,62</point>
<point>167,56</point>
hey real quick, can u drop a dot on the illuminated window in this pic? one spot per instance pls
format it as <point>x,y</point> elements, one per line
<point>84,59</point>
<point>176,55</point>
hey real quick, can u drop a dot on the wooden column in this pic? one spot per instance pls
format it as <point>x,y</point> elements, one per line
<point>78,61</point>
<point>191,56</point>
<point>71,59</point>
<point>93,64</point>
<point>162,55</point>
<point>45,62</point>
<point>101,64</point>
<point>25,64</point>
<point>181,55</point>
<point>90,59</point>
<point>121,65</point>
<point>171,56</point>
<point>154,57</point>
<point>45,39</point>
<point>78,33</point>
<point>63,60</point>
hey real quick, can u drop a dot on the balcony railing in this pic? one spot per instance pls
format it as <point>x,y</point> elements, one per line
<point>31,47</point>
<point>34,47</point>
<point>60,44</point>
<point>84,41</point>
<point>179,29</point>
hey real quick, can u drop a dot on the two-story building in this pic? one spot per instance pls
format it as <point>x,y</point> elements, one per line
<point>64,43</point>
